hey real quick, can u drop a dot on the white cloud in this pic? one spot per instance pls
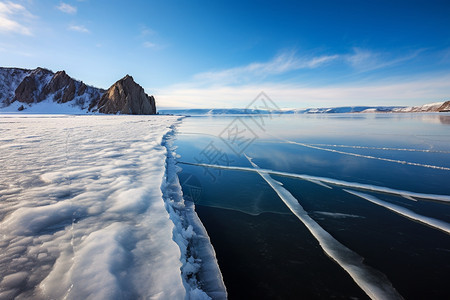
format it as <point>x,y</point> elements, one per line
<point>67,8</point>
<point>365,60</point>
<point>149,45</point>
<point>13,18</point>
<point>154,46</point>
<point>145,31</point>
<point>282,63</point>
<point>392,91</point>
<point>79,28</point>
<point>236,87</point>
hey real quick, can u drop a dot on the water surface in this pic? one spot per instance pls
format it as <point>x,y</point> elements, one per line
<point>264,251</point>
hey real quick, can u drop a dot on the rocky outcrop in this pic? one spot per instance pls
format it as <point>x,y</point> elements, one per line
<point>82,89</point>
<point>445,107</point>
<point>33,86</point>
<point>29,87</point>
<point>62,86</point>
<point>26,91</point>
<point>29,90</point>
<point>126,97</point>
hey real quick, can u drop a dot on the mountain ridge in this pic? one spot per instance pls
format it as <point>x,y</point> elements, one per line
<point>443,106</point>
<point>26,89</point>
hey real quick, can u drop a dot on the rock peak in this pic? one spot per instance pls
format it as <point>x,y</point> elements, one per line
<point>127,97</point>
<point>128,77</point>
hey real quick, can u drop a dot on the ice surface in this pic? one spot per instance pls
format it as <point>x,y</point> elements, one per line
<point>85,212</point>
<point>403,162</point>
<point>337,182</point>
<point>380,148</point>
<point>371,281</point>
<point>336,215</point>
<point>432,222</point>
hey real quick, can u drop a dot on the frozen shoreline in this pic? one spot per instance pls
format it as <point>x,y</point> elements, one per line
<point>200,270</point>
<point>91,207</point>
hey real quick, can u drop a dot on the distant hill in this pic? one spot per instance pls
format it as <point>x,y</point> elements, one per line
<point>42,91</point>
<point>433,107</point>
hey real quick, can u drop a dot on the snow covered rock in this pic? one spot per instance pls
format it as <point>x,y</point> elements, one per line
<point>445,107</point>
<point>42,91</point>
<point>430,107</point>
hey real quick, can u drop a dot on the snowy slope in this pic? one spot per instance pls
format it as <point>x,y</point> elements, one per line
<point>430,107</point>
<point>48,106</point>
<point>86,212</point>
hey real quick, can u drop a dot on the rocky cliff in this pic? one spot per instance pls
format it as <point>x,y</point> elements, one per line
<point>445,107</point>
<point>22,89</point>
<point>126,97</point>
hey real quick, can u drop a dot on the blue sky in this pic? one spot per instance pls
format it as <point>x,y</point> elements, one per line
<point>223,53</point>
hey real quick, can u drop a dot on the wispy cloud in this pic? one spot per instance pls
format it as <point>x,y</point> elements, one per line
<point>17,49</point>
<point>445,56</point>
<point>153,46</point>
<point>282,63</point>
<point>360,60</point>
<point>79,28</point>
<point>149,45</point>
<point>67,8</point>
<point>150,39</point>
<point>13,17</point>
<point>145,31</point>
<point>395,91</point>
<point>235,87</point>
<point>365,60</point>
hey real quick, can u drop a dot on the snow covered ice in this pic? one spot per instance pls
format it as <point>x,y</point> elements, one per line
<point>87,211</point>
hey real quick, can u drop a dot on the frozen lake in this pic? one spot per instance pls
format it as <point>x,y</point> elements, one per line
<point>295,206</point>
<point>342,205</point>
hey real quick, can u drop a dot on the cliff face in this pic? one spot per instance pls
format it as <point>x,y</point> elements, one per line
<point>126,97</point>
<point>445,107</point>
<point>30,87</point>
<point>29,90</point>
